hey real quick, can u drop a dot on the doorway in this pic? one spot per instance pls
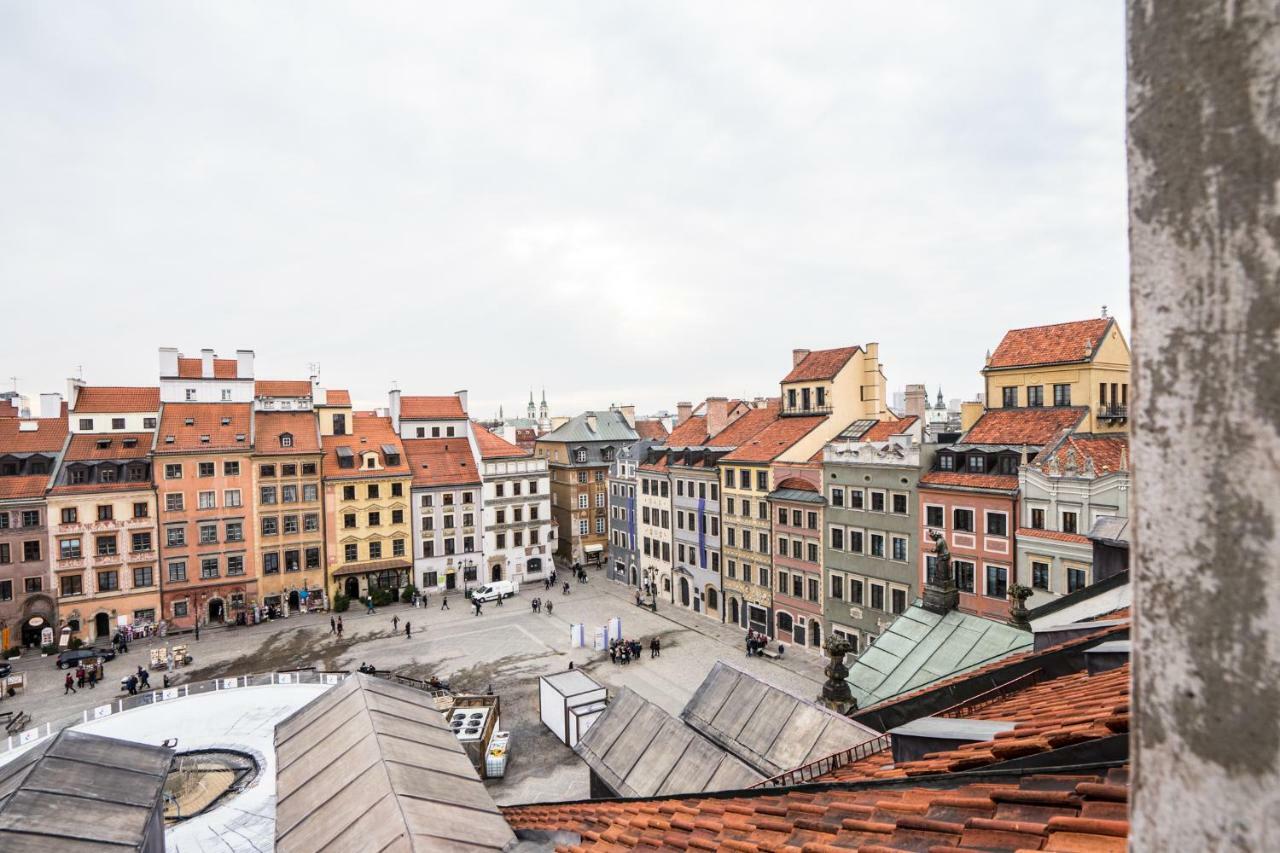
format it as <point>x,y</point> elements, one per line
<point>352,587</point>
<point>495,572</point>
<point>101,626</point>
<point>217,612</point>
<point>294,601</point>
<point>734,617</point>
<point>451,580</point>
<point>684,591</point>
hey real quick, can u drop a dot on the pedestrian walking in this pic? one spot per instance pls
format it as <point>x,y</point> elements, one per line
<point>144,677</point>
<point>339,627</point>
<point>333,626</point>
<point>93,678</point>
<point>546,584</point>
<point>395,624</point>
<point>613,653</point>
<point>476,603</point>
<point>408,633</point>
<point>550,606</point>
<point>80,676</point>
<point>499,600</point>
<point>131,684</point>
<point>444,601</point>
<point>655,647</point>
<point>564,590</point>
<point>69,685</point>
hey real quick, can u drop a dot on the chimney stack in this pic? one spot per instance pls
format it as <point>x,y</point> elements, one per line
<point>717,414</point>
<point>592,423</point>
<point>244,364</point>
<point>50,405</point>
<point>73,389</point>
<point>917,399</point>
<point>797,356</point>
<point>462,398</point>
<point>206,363</point>
<point>393,408</point>
<point>683,411</point>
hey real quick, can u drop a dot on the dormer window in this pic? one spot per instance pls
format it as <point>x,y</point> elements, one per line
<point>946,462</point>
<point>191,395</point>
<point>286,439</point>
<point>107,474</point>
<point>580,455</point>
<point>607,454</point>
<point>204,439</point>
<point>370,460</point>
<point>188,421</point>
<point>130,442</point>
<point>103,443</point>
<point>168,439</point>
<point>976,463</point>
<point>78,475</point>
<point>226,421</point>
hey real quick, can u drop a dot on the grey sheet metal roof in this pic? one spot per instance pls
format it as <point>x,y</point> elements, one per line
<point>83,793</point>
<point>765,726</point>
<point>1110,528</point>
<point>371,765</point>
<point>797,496</point>
<point>921,647</point>
<point>610,426</point>
<point>640,750</point>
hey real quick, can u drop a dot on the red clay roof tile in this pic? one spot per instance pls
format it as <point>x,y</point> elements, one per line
<point>117,398</point>
<point>821,364</point>
<point>369,432</point>
<point>651,429</point>
<point>191,368</point>
<point>48,436</point>
<point>268,427</point>
<point>1055,535</point>
<point>337,397</point>
<point>1107,453</point>
<point>1056,344</point>
<point>226,424</point>
<point>282,388</point>
<point>446,407</point>
<point>963,479</point>
<point>1030,426</point>
<point>23,486</point>
<point>746,426</point>
<point>692,432</point>
<point>441,462</point>
<point>774,440</point>
<point>495,446</point>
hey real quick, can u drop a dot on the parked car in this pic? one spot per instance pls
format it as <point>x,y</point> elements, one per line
<point>5,669</point>
<point>72,657</point>
<point>494,591</point>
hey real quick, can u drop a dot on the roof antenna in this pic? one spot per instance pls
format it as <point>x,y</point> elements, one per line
<point>1104,312</point>
<point>14,380</point>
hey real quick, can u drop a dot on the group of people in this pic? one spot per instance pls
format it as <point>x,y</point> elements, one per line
<point>335,626</point>
<point>141,680</point>
<point>624,651</point>
<point>538,605</point>
<point>395,626</point>
<point>755,642</point>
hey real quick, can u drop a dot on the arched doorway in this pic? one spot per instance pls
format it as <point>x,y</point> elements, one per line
<point>352,587</point>
<point>101,626</point>
<point>294,601</point>
<point>217,612</point>
<point>713,600</point>
<point>815,633</point>
<point>734,616</point>
<point>684,591</point>
<point>495,572</point>
<point>635,580</point>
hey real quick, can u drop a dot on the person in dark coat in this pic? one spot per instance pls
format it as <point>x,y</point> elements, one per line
<point>69,686</point>
<point>408,634</point>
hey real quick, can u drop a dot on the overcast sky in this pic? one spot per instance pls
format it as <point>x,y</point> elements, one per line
<point>624,202</point>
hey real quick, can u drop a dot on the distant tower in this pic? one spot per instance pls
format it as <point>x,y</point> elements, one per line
<point>501,417</point>
<point>940,404</point>
<point>533,412</point>
<point>543,414</point>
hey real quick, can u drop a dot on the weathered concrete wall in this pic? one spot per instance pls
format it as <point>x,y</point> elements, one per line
<point>1204,171</point>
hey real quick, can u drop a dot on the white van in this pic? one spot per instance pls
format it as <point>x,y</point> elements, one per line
<point>494,591</point>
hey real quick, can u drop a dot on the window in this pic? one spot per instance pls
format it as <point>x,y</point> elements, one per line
<point>1040,575</point>
<point>397,547</point>
<point>177,571</point>
<point>582,527</point>
<point>271,564</point>
<point>1076,579</point>
<point>235,531</point>
<point>204,469</point>
<point>348,520</point>
<point>1062,395</point>
<point>855,541</point>
<point>877,501</point>
<point>289,494</point>
<point>6,590</point>
<point>1009,397</point>
<point>837,538</point>
<point>209,567</point>
<point>231,498</point>
<point>1037,519</point>
<point>877,545</point>
<point>934,517</point>
<point>310,493</point>
<point>997,582</point>
<point>173,471</point>
<point>208,500</point>
<point>946,462</point>
<point>397,490</point>
<point>286,440</point>
<point>1068,522</point>
<point>1035,395</point>
<point>312,557</point>
<point>898,600</point>
<point>811,552</point>
<point>231,469</point>
<point>964,575</point>
<point>290,524</point>
<point>997,524</point>
<point>375,519</point>
<point>856,497</point>
<point>69,549</point>
<point>140,510</point>
<point>267,495</point>
<point>962,519</point>
<point>179,609</point>
<point>71,585</point>
<point>86,423</point>
<point>148,423</point>
<point>900,503</point>
<point>580,455</point>
<point>175,537</point>
<point>372,490</point>
<point>140,542</point>
<point>975,463</point>
<point>900,549</point>
<point>351,553</point>
<point>108,581</point>
<point>837,496</point>
<point>582,502</point>
<point>339,424</point>
<point>311,522</point>
<point>877,597</point>
<point>308,469</point>
<point>349,494</point>
<point>600,499</point>
<point>144,576</point>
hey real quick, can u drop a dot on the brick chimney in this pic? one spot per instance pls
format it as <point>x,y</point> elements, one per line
<point>683,411</point>
<point>797,356</point>
<point>916,400</point>
<point>717,414</point>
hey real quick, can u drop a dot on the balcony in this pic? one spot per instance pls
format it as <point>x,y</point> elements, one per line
<point>1113,412</point>
<point>806,412</point>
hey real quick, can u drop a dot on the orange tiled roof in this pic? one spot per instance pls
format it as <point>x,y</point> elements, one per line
<point>441,462</point>
<point>1032,426</point>
<point>48,437</point>
<point>774,439</point>
<point>651,429</point>
<point>746,426</point>
<point>495,446</point>
<point>23,486</point>
<point>821,364</point>
<point>223,368</point>
<point>117,398</point>
<point>337,397</point>
<point>1080,811</point>
<point>1056,344</point>
<point>1057,536</point>
<point>368,432</point>
<point>282,388</point>
<point>431,408</point>
<point>269,426</point>
<point>222,422</point>
<point>692,432</point>
<point>1059,712</point>
<point>884,429</point>
<point>1109,453</point>
<point>965,480</point>
<point>84,446</point>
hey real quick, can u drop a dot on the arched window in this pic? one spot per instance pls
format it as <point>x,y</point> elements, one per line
<point>713,598</point>
<point>784,621</point>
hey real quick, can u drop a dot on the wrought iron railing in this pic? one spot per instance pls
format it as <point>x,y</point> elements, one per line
<point>815,769</point>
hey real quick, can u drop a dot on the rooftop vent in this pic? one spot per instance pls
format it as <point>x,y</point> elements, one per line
<point>240,436</point>
<point>168,439</point>
<point>920,737</point>
<point>204,439</point>
<point>226,421</point>
<point>188,421</point>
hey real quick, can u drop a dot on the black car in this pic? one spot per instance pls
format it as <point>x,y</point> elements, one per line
<point>72,657</point>
<point>5,669</point>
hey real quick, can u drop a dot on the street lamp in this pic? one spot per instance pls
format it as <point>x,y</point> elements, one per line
<point>468,567</point>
